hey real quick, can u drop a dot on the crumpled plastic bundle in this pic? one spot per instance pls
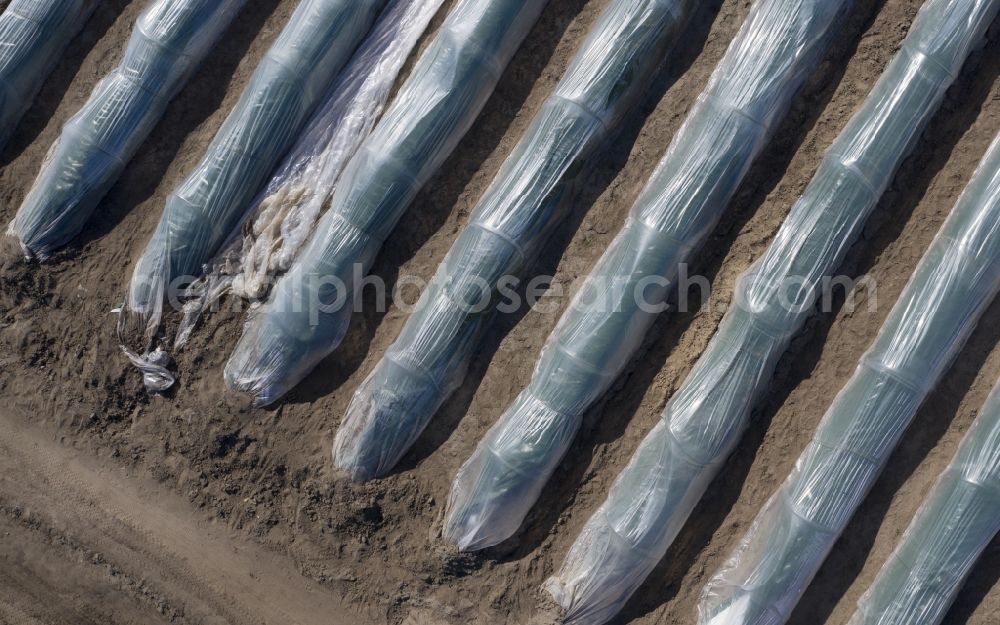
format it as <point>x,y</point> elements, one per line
<point>289,82</point>
<point>298,194</point>
<point>169,40</point>
<point>956,522</point>
<point>33,35</point>
<point>705,419</point>
<point>953,284</point>
<point>311,305</point>
<point>778,46</point>
<point>527,199</point>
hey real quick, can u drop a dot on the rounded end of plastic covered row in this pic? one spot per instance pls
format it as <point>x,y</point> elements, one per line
<point>386,416</point>
<point>12,245</point>
<point>250,372</point>
<point>601,572</point>
<point>484,507</point>
<point>357,448</point>
<point>498,485</point>
<point>264,364</point>
<point>281,344</point>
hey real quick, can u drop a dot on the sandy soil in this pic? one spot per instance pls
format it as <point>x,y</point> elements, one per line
<point>198,508</point>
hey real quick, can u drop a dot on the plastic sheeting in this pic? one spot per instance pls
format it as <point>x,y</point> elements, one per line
<point>284,90</point>
<point>704,420</point>
<point>952,528</point>
<point>778,46</point>
<point>529,196</point>
<point>952,285</point>
<point>169,40</point>
<point>298,194</point>
<point>311,305</point>
<point>33,35</point>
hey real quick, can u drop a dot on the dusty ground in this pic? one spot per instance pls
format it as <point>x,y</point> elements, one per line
<point>195,508</point>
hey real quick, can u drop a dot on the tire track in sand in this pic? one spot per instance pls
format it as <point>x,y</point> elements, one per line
<point>136,544</point>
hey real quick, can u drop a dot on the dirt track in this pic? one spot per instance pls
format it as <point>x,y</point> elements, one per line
<point>197,508</point>
<point>115,548</point>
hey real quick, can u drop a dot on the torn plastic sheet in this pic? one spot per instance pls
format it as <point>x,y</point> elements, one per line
<point>311,305</point>
<point>529,197</point>
<point>283,92</point>
<point>156,376</point>
<point>267,244</point>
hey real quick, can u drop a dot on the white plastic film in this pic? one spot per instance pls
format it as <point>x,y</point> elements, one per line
<point>283,92</point>
<point>530,195</point>
<point>169,40</point>
<point>777,47</point>
<point>311,305</point>
<point>704,420</point>
<point>959,518</point>
<point>302,188</point>
<point>953,284</point>
<point>33,35</point>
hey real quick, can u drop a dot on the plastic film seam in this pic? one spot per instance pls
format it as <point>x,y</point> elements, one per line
<point>297,78</point>
<point>207,223</point>
<point>785,498</point>
<point>921,53</point>
<point>912,383</point>
<point>688,459</point>
<point>836,159</point>
<point>479,55</point>
<point>499,458</point>
<point>580,106</point>
<point>72,131</point>
<point>385,160</point>
<point>687,456</point>
<point>643,553</point>
<point>683,247</point>
<point>500,234</point>
<point>970,256</point>
<point>563,349</point>
<point>992,488</point>
<point>716,102</point>
<point>910,563</point>
<point>561,413</point>
<point>757,322</point>
<point>412,367</point>
<point>139,84</point>
<point>176,51</point>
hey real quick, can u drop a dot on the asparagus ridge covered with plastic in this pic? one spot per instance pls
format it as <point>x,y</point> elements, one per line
<point>778,46</point>
<point>33,35</point>
<point>289,82</point>
<point>959,518</point>
<point>704,420</point>
<point>297,195</point>
<point>952,285</point>
<point>310,307</point>
<point>169,40</point>
<point>527,199</point>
